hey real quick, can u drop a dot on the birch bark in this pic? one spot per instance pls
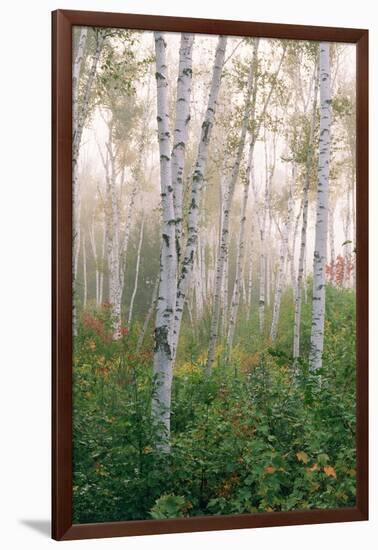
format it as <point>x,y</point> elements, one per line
<point>136,273</point>
<point>115,288</point>
<point>166,304</point>
<point>197,186</point>
<point>303,245</point>
<point>180,135</point>
<point>320,252</point>
<point>224,240</point>
<point>148,316</point>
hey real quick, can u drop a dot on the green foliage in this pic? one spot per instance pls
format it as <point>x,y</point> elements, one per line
<point>168,506</point>
<point>259,435</point>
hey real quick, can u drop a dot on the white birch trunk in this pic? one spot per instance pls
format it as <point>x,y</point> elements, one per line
<point>293,248</point>
<point>85,278</point>
<point>92,239</point>
<point>281,269</point>
<point>197,186</point>
<point>126,231</point>
<point>235,300</point>
<point>320,252</point>
<point>136,273</point>
<point>180,135</point>
<point>76,71</point>
<point>224,241</point>
<point>347,236</point>
<point>166,304</point>
<point>250,275</point>
<point>148,316</point>
<point>80,114</point>
<point>303,245</point>
<point>331,233</point>
<point>115,288</point>
<point>239,275</point>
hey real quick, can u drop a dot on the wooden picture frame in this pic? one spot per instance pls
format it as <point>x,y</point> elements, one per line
<point>62,23</point>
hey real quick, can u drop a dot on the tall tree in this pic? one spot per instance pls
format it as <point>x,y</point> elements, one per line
<point>166,304</point>
<point>284,247</point>
<point>80,109</point>
<point>131,307</point>
<point>320,251</point>
<point>180,134</point>
<point>224,238</point>
<point>172,291</point>
<point>197,187</point>
<point>303,243</point>
<point>235,300</point>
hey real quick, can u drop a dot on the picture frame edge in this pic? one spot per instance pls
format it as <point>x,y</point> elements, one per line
<point>61,313</point>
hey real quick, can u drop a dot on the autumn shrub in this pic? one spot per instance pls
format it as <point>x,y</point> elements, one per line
<point>258,435</point>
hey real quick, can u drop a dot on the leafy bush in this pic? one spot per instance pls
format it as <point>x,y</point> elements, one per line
<point>258,435</point>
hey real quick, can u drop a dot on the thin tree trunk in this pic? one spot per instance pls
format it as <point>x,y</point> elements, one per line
<point>348,236</point>
<point>320,252</point>
<point>115,289</point>
<point>331,234</point>
<point>250,275</point>
<point>76,71</point>
<point>126,231</point>
<point>281,269</point>
<point>239,275</point>
<point>224,242</point>
<point>166,304</point>
<point>92,239</point>
<point>85,293</point>
<point>303,246</point>
<point>136,273</point>
<point>292,250</point>
<point>180,135</point>
<point>148,316</point>
<point>102,266</point>
<point>197,185</point>
<point>78,121</point>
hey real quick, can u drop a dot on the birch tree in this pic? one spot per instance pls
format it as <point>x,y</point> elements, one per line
<point>197,186</point>
<point>284,246</point>
<point>113,242</point>
<point>224,240</point>
<point>235,300</point>
<point>320,251</point>
<point>303,243</point>
<point>149,314</point>
<point>166,304</point>
<point>136,272</point>
<point>79,117</point>
<point>180,134</point>
<point>172,294</point>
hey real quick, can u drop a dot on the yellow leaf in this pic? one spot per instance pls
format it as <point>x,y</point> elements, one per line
<point>329,471</point>
<point>312,468</point>
<point>270,469</point>
<point>302,457</point>
<point>147,450</point>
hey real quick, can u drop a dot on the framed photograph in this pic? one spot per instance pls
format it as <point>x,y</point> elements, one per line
<point>210,274</point>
